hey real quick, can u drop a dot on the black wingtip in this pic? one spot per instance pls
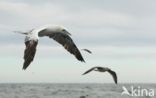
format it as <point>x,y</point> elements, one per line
<point>83,74</point>
<point>83,61</point>
<point>24,68</point>
<point>79,57</point>
<point>116,82</point>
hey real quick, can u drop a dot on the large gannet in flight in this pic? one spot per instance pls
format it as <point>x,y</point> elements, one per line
<point>57,33</point>
<point>103,69</point>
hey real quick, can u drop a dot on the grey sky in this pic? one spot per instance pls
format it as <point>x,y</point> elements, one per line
<point>121,34</point>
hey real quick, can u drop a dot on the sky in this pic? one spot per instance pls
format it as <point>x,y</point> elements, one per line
<point>120,33</point>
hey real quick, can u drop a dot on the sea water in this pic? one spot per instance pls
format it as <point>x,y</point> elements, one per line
<point>73,90</point>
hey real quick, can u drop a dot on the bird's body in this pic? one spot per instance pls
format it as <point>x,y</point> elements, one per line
<point>34,34</point>
<point>103,69</point>
<point>57,33</point>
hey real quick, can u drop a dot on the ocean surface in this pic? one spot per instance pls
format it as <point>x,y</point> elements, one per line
<point>71,90</point>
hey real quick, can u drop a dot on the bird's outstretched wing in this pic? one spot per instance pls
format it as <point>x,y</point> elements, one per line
<point>29,52</point>
<point>68,44</point>
<point>87,51</point>
<point>89,70</point>
<point>113,75</point>
<point>65,40</point>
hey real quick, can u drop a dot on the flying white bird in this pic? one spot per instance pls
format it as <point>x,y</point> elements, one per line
<point>103,69</point>
<point>57,33</point>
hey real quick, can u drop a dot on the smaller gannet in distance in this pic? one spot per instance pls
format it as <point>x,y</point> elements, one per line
<point>103,69</point>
